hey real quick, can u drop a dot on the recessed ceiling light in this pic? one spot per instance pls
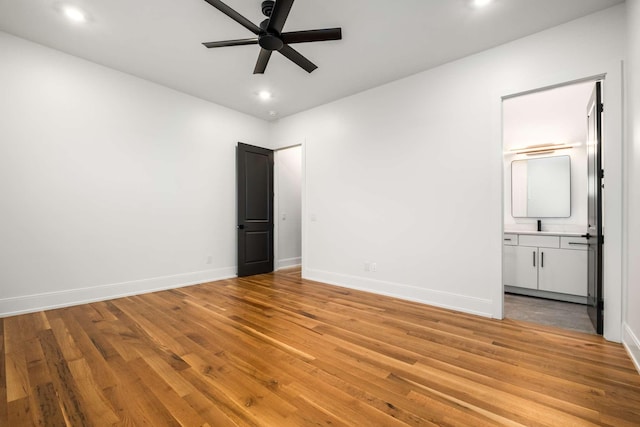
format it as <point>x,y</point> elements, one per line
<point>481,3</point>
<point>265,95</point>
<point>74,14</point>
<point>273,113</point>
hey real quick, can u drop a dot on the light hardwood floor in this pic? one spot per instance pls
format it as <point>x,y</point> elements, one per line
<point>275,350</point>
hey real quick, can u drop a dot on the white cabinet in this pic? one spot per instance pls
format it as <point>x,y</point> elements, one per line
<point>520,267</point>
<point>563,270</point>
<point>545,263</point>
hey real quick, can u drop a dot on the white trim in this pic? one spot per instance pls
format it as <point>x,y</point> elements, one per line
<point>288,262</point>
<point>276,210</point>
<point>304,213</point>
<point>287,147</point>
<point>632,345</point>
<point>462,303</point>
<point>597,77</point>
<point>49,300</point>
<point>284,263</point>
<point>576,299</point>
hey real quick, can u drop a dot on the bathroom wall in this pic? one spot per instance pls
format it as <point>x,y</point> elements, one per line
<point>551,116</point>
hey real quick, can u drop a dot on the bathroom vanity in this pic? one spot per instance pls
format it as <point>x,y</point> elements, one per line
<point>546,264</point>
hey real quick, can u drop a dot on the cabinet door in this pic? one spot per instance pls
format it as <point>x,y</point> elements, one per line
<point>563,271</point>
<point>520,266</point>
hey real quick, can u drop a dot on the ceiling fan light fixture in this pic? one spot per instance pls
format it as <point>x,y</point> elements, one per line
<point>481,3</point>
<point>265,95</point>
<point>74,14</point>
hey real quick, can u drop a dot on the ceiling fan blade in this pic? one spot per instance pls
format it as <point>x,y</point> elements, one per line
<point>263,60</point>
<point>279,15</point>
<point>312,35</point>
<point>235,16</point>
<point>294,56</point>
<point>226,43</point>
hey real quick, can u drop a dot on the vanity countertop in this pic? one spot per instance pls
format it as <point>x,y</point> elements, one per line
<point>545,233</point>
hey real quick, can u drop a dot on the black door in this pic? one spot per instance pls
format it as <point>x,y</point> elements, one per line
<point>594,232</point>
<point>255,209</point>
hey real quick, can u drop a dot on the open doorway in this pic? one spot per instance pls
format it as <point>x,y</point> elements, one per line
<point>551,268</point>
<point>288,207</point>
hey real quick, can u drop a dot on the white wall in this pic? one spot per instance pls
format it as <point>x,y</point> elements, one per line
<point>288,175</point>
<point>409,175</point>
<point>632,297</point>
<point>551,116</point>
<point>110,185</point>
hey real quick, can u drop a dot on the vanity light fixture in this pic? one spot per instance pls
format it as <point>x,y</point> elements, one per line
<point>541,148</point>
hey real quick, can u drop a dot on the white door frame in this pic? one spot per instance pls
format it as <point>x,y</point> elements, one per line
<point>276,203</point>
<point>613,165</point>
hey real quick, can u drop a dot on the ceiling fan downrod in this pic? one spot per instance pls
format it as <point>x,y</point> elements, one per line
<point>267,7</point>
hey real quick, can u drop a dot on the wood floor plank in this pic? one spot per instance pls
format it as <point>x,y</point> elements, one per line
<point>277,350</point>
<point>17,376</point>
<point>95,400</point>
<point>20,413</point>
<point>181,410</point>
<point>71,399</point>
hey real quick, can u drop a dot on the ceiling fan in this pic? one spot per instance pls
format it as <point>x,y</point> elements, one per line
<point>270,36</point>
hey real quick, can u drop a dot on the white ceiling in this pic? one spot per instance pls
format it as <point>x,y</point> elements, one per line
<point>160,40</point>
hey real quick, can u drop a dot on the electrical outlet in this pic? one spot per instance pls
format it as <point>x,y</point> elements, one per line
<point>374,266</point>
<point>209,259</point>
<point>367,266</point>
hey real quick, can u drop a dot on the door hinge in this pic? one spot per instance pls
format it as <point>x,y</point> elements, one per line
<point>601,107</point>
<point>601,173</point>
<point>601,305</point>
<point>602,240</point>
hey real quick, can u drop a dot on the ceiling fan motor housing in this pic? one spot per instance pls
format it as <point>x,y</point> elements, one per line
<point>268,40</point>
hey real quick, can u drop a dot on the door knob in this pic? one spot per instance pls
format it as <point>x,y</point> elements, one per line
<point>241,227</point>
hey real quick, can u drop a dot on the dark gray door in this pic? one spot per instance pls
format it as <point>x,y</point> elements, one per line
<point>255,209</point>
<point>595,238</point>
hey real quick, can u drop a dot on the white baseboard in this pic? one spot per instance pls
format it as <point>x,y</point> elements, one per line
<point>463,303</point>
<point>288,262</point>
<point>546,294</point>
<point>50,300</point>
<point>632,344</point>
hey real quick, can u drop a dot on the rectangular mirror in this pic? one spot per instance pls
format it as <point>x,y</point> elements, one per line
<point>541,188</point>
